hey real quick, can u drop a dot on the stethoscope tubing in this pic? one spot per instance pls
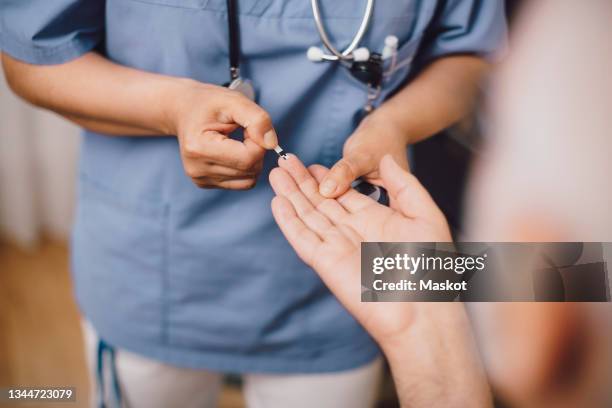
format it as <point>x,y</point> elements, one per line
<point>347,54</point>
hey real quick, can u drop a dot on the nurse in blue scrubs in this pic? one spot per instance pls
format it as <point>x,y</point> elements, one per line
<point>179,268</point>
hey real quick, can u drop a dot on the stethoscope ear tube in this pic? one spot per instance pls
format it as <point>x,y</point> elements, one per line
<point>234,39</point>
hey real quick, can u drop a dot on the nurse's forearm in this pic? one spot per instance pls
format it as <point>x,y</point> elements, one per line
<point>441,95</point>
<point>98,94</point>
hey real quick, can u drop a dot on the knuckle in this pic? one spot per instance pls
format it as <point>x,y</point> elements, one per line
<point>309,185</point>
<point>229,161</point>
<point>255,162</point>
<point>345,169</point>
<point>242,165</point>
<point>191,149</point>
<point>263,118</point>
<point>250,183</point>
<point>250,163</point>
<point>192,172</point>
<point>366,158</point>
<point>201,183</point>
<point>232,160</point>
<point>246,184</point>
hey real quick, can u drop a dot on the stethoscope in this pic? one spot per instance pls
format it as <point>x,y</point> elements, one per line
<point>364,65</point>
<point>236,82</point>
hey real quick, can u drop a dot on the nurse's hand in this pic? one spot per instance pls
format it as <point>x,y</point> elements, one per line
<point>204,117</point>
<point>374,138</point>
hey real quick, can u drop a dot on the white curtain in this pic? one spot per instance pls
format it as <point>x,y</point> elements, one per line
<point>38,154</point>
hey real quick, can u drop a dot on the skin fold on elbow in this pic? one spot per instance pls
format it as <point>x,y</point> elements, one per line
<point>21,79</point>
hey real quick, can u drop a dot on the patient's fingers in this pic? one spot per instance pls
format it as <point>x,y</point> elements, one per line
<point>405,190</point>
<point>318,171</point>
<point>310,187</point>
<point>302,239</point>
<point>284,185</point>
<point>351,200</point>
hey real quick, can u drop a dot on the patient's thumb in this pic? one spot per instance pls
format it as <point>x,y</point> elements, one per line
<point>406,192</point>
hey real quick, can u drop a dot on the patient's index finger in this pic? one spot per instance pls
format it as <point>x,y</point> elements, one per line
<point>310,187</point>
<point>284,185</point>
<point>301,238</point>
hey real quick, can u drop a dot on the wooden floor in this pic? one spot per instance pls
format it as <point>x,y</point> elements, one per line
<point>40,335</point>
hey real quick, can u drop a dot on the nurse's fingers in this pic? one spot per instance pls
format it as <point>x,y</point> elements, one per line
<point>254,119</point>
<point>310,187</point>
<point>220,172</point>
<point>233,184</point>
<point>218,148</point>
<point>302,239</point>
<point>352,201</point>
<point>284,185</point>
<point>406,192</point>
<point>343,173</point>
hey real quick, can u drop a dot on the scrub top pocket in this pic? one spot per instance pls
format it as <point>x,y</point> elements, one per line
<point>397,68</point>
<point>395,71</point>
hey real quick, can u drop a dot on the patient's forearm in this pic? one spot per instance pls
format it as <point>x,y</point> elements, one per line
<point>99,94</point>
<point>435,363</point>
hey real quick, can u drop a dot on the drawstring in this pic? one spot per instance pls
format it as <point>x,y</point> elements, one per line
<point>106,349</point>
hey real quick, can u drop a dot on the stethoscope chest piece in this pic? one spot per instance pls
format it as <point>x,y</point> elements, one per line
<point>369,71</point>
<point>244,86</point>
<point>236,83</point>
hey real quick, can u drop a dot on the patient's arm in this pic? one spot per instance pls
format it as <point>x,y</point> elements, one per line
<point>429,346</point>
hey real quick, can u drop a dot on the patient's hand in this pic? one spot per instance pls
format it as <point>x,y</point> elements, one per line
<point>326,233</point>
<point>429,345</point>
<point>413,216</point>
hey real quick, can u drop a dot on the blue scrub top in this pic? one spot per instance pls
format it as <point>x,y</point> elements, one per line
<point>204,278</point>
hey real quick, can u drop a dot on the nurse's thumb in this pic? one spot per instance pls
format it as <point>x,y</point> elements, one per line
<point>256,122</point>
<point>338,180</point>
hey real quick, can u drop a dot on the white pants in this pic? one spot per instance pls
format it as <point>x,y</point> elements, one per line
<point>148,383</point>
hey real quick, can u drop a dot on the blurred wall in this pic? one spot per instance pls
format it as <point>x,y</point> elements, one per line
<point>38,155</point>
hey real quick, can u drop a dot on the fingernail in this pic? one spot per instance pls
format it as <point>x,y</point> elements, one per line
<point>270,139</point>
<point>328,187</point>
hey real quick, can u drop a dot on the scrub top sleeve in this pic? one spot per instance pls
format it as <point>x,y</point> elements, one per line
<point>49,32</point>
<point>475,27</point>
